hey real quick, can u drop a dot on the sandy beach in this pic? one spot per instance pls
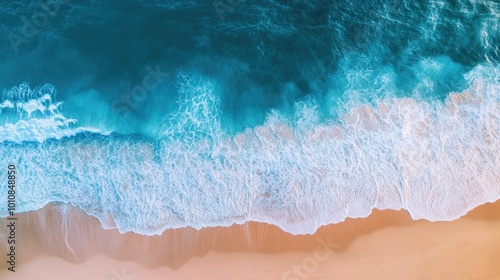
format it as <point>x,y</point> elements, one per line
<point>386,245</point>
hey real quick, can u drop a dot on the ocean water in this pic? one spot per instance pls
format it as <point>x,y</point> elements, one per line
<point>152,115</point>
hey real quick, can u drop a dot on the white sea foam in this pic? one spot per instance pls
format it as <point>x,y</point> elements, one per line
<point>34,115</point>
<point>437,160</point>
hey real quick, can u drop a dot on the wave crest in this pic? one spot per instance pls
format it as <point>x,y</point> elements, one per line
<point>436,159</point>
<point>28,114</point>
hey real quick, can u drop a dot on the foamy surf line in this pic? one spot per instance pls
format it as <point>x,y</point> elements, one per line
<point>34,115</point>
<point>436,160</point>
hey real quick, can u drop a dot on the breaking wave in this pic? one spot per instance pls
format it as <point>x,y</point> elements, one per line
<point>437,159</point>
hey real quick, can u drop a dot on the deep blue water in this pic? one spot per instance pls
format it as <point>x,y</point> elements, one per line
<point>239,95</point>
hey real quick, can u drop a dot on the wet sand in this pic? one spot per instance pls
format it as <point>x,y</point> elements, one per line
<point>386,245</point>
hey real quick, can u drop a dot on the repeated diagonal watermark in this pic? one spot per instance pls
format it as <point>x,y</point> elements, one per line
<point>31,26</point>
<point>131,99</point>
<point>361,37</point>
<point>121,275</point>
<point>309,265</point>
<point>494,250</point>
<point>224,7</point>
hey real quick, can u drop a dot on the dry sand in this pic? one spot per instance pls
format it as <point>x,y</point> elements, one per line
<point>385,245</point>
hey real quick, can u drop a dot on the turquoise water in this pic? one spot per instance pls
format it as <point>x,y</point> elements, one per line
<point>169,114</point>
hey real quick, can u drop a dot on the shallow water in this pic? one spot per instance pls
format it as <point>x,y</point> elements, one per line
<point>168,114</point>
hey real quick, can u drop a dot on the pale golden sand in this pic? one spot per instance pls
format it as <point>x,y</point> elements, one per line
<point>386,245</point>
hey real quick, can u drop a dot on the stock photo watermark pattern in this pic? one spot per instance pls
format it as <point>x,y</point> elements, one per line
<point>132,98</point>
<point>360,37</point>
<point>224,7</point>
<point>122,275</point>
<point>43,12</point>
<point>309,265</point>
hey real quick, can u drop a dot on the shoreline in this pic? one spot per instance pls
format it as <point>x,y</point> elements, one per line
<point>69,223</point>
<point>77,239</point>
